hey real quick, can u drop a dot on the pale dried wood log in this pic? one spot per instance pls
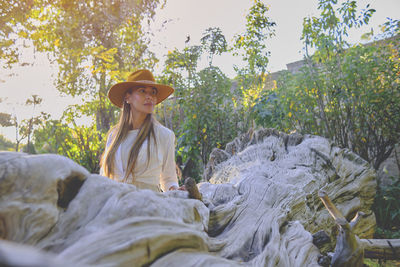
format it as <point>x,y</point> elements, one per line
<point>34,191</point>
<point>262,206</point>
<point>387,249</point>
<point>16,255</point>
<point>277,177</point>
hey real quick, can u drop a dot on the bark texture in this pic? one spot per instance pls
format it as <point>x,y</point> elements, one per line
<point>259,207</point>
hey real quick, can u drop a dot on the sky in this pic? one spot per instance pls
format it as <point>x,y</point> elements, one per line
<point>185,17</point>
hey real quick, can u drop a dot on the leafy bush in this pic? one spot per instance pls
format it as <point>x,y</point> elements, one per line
<point>387,210</point>
<point>82,144</point>
<point>6,144</point>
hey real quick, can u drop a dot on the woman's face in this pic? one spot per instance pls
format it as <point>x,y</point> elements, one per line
<point>142,99</point>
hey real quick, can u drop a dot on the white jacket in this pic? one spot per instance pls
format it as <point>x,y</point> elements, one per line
<point>161,168</point>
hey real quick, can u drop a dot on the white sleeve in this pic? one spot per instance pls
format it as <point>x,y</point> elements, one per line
<point>108,143</point>
<point>168,176</point>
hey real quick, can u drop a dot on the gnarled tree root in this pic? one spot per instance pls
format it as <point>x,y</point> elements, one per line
<point>350,250</point>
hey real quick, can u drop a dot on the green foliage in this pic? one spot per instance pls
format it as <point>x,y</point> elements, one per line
<point>251,45</point>
<point>350,95</point>
<point>353,99</point>
<point>327,32</point>
<point>207,121</point>
<point>6,144</point>
<point>183,61</point>
<point>6,119</point>
<point>391,28</point>
<point>83,144</point>
<point>199,112</point>
<point>380,263</point>
<point>207,109</point>
<point>50,137</point>
<point>382,233</point>
<point>24,128</point>
<point>94,44</point>
<point>13,13</point>
<point>27,125</point>
<point>268,111</point>
<point>214,42</point>
<point>387,209</point>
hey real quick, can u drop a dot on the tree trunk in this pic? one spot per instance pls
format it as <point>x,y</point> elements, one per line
<point>259,208</point>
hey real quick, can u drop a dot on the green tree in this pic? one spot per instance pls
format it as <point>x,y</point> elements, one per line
<point>251,46</point>
<point>169,111</point>
<point>201,109</point>
<point>180,72</point>
<point>25,127</point>
<point>349,94</point>
<point>352,84</point>
<point>6,119</point>
<point>83,144</point>
<point>327,33</point>
<point>13,14</point>
<point>94,44</point>
<point>214,42</point>
<point>11,120</point>
<point>28,124</point>
<point>269,111</point>
<point>208,118</point>
<point>184,62</point>
<point>6,144</point>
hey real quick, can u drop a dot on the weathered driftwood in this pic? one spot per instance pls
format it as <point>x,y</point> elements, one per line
<point>286,172</point>
<point>347,250</point>
<point>261,207</point>
<point>387,249</point>
<point>350,250</point>
<point>14,254</point>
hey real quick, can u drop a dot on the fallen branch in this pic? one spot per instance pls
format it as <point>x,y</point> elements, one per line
<point>350,250</point>
<point>387,249</point>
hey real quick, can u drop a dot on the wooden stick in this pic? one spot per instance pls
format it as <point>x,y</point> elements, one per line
<point>350,250</point>
<point>335,213</point>
<point>356,219</point>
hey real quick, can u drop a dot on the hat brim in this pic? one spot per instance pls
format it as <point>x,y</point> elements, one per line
<point>117,92</point>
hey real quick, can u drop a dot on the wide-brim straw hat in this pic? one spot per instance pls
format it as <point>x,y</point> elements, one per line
<point>117,92</point>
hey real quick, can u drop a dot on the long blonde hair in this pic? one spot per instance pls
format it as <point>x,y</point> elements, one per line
<point>118,134</point>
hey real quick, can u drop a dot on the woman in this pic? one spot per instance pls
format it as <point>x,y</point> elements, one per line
<point>139,149</point>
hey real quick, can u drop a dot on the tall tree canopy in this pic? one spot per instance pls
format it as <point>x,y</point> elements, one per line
<point>94,43</point>
<point>214,42</point>
<point>347,93</point>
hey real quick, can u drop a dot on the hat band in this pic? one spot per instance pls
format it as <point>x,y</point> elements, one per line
<point>144,81</point>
